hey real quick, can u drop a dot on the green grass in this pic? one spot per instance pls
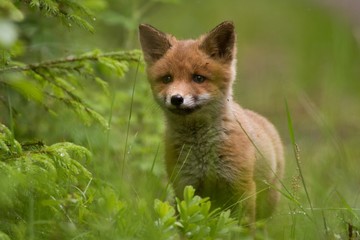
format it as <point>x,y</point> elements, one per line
<point>296,51</point>
<point>319,199</point>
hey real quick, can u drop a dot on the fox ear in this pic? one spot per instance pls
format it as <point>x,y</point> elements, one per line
<point>154,43</point>
<point>219,43</point>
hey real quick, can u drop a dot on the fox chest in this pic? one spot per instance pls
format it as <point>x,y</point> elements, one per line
<point>196,160</point>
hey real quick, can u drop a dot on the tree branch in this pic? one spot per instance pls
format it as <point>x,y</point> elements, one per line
<point>131,56</point>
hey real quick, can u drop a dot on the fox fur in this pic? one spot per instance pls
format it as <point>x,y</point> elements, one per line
<point>228,153</point>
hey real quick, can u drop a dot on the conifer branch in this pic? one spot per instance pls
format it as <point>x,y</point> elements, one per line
<point>129,56</point>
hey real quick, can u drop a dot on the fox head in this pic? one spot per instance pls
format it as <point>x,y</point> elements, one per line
<point>190,76</point>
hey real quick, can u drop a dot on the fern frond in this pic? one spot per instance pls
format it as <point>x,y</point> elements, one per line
<point>42,170</point>
<point>8,145</point>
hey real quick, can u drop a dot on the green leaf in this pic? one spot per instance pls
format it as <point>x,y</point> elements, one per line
<point>120,67</point>
<point>189,192</point>
<point>164,210</point>
<point>27,88</point>
<point>97,117</point>
<point>80,22</point>
<point>10,10</point>
<point>35,3</point>
<point>104,85</point>
<point>8,145</point>
<point>65,85</point>
<point>4,236</point>
<point>51,7</point>
<point>197,221</point>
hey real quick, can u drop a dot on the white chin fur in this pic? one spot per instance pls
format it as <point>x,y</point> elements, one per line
<point>190,101</point>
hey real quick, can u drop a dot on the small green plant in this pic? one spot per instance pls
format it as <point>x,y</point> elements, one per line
<point>47,193</point>
<point>40,185</point>
<point>196,220</point>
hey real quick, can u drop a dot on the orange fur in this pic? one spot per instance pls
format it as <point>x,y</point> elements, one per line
<point>227,153</point>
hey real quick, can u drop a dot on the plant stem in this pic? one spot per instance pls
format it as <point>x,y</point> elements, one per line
<point>129,121</point>
<point>296,153</point>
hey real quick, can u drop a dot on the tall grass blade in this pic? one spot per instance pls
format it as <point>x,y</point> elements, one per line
<point>174,174</point>
<point>296,152</point>
<point>293,225</point>
<point>31,217</point>
<point>129,120</point>
<point>108,131</point>
<point>326,230</point>
<point>155,157</point>
<point>11,115</point>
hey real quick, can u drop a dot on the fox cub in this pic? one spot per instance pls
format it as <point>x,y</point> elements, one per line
<point>227,153</point>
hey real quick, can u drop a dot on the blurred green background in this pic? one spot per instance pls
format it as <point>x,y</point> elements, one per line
<point>305,53</point>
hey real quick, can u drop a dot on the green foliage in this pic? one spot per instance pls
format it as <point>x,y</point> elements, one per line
<point>47,193</point>
<point>195,220</point>
<point>68,11</point>
<point>295,49</point>
<point>63,79</point>
<point>40,183</point>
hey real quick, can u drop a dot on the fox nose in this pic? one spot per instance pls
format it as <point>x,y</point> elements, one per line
<point>177,100</point>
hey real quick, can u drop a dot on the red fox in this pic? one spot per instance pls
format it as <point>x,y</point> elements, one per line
<point>230,154</point>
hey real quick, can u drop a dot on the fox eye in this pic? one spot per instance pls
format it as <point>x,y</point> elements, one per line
<point>198,78</point>
<point>166,79</point>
